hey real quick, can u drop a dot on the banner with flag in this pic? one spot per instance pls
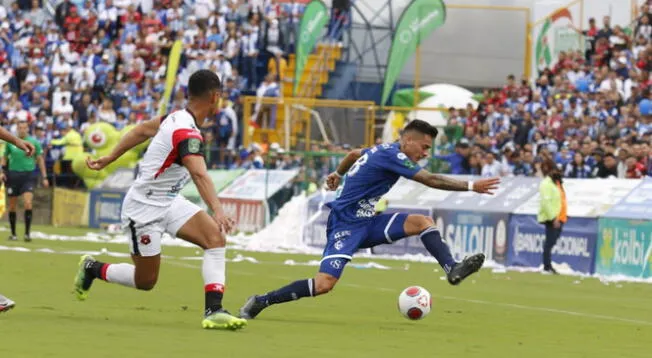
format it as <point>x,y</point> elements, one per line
<point>170,76</point>
<point>314,19</point>
<point>417,22</point>
<point>555,34</point>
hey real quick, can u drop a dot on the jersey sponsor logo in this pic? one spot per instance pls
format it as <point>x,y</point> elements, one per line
<point>194,144</point>
<point>176,188</point>
<point>367,207</point>
<point>342,234</point>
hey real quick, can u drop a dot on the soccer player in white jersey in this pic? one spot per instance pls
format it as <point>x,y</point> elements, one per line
<point>153,205</point>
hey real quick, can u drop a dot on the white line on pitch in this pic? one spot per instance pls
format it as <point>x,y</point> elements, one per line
<point>452,298</point>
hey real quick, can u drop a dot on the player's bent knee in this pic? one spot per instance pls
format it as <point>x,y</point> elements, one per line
<point>418,224</point>
<point>214,241</point>
<point>324,283</point>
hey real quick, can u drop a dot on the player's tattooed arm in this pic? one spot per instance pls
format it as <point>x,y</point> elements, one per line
<point>437,181</point>
<point>333,179</point>
<point>348,161</point>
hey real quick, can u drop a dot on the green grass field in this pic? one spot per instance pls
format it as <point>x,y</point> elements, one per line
<point>495,315</point>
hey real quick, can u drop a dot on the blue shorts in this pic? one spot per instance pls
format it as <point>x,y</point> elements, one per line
<point>345,238</point>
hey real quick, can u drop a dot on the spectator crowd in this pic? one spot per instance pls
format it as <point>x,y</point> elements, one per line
<point>590,113</point>
<point>85,61</point>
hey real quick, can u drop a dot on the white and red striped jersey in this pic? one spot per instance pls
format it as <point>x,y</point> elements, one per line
<point>161,176</point>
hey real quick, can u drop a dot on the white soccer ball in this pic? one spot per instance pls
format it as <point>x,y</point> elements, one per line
<point>414,302</point>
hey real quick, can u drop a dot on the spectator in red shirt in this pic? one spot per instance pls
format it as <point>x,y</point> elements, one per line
<point>635,170</point>
<point>37,42</point>
<point>131,14</point>
<point>151,23</point>
<point>72,19</point>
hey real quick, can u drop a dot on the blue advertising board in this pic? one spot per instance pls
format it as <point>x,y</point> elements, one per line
<point>576,246</point>
<point>468,233</point>
<point>104,208</point>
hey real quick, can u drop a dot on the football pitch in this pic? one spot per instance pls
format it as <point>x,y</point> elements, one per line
<point>502,315</point>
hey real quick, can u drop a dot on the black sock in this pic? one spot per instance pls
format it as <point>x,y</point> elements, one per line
<point>28,221</point>
<point>437,247</point>
<point>291,292</point>
<point>94,268</point>
<point>213,301</point>
<point>12,222</point>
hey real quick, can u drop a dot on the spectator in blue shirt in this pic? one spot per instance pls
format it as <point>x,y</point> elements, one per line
<point>458,161</point>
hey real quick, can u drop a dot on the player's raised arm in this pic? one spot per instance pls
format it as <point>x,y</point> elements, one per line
<point>437,181</point>
<point>134,137</point>
<point>333,180</point>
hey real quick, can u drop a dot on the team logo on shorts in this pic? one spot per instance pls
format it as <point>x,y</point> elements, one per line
<point>336,264</point>
<point>145,240</point>
<point>338,245</point>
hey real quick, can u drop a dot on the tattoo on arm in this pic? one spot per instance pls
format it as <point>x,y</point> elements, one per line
<point>445,183</point>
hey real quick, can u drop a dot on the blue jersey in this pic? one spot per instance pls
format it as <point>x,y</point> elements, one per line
<point>369,179</point>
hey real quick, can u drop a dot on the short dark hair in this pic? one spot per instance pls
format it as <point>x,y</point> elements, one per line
<point>422,127</point>
<point>202,82</point>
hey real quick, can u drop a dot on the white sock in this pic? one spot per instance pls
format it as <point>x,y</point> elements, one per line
<point>123,274</point>
<point>214,269</point>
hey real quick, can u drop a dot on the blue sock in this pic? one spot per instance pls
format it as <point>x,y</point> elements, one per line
<point>291,292</point>
<point>437,247</point>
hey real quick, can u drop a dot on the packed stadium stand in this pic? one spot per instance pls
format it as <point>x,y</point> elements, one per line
<point>75,63</point>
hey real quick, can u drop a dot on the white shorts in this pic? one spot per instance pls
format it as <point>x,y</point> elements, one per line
<point>145,224</point>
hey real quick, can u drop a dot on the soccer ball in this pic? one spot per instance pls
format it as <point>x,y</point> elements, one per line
<point>414,302</point>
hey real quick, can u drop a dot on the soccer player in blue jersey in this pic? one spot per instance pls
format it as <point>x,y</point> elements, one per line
<point>367,175</point>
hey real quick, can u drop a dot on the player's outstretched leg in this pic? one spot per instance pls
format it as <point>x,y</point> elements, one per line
<point>6,304</point>
<point>321,284</point>
<point>90,269</point>
<point>202,231</point>
<point>432,241</point>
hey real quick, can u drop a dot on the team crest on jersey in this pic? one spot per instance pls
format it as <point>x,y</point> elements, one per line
<point>145,240</point>
<point>194,145</point>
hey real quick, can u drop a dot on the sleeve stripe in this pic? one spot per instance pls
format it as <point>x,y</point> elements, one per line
<point>182,134</point>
